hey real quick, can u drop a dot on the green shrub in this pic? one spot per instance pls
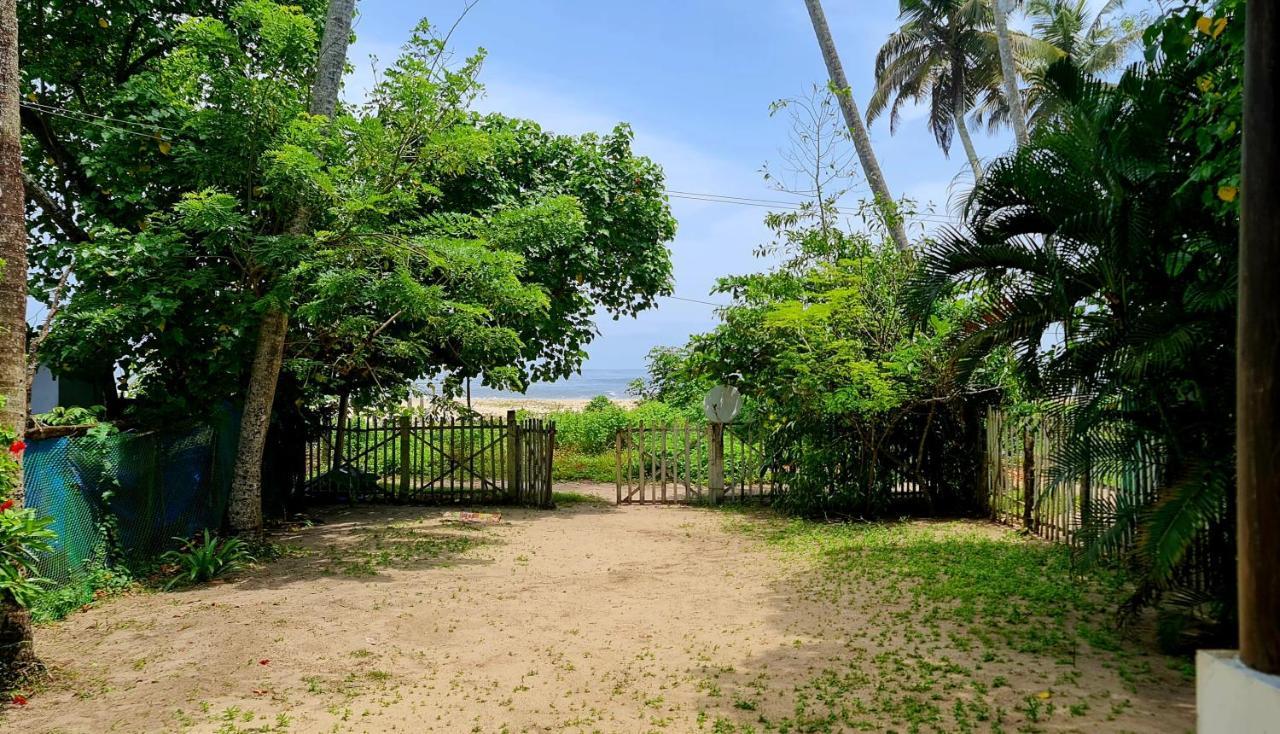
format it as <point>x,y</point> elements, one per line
<point>206,557</point>
<point>51,605</point>
<point>574,466</point>
<point>23,536</point>
<point>592,429</point>
<point>598,403</point>
<point>589,431</point>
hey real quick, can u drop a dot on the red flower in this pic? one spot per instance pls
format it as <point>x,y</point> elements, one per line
<point>263,661</point>
<point>7,504</point>
<point>17,447</point>
<point>19,699</point>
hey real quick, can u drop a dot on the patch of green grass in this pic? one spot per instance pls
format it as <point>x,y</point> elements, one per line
<point>571,465</point>
<point>943,601</point>
<point>57,602</point>
<point>397,547</point>
<point>1021,591</point>
<point>565,499</point>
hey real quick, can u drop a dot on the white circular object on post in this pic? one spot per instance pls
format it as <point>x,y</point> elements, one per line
<point>722,403</point>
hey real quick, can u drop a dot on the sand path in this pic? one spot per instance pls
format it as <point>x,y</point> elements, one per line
<point>588,618</point>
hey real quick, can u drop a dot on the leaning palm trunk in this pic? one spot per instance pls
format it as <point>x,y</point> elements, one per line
<point>853,118</point>
<point>1017,116</point>
<point>958,107</point>
<point>970,152</point>
<point>17,654</point>
<point>244,511</point>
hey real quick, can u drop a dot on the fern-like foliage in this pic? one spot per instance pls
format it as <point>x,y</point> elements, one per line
<point>1094,258</point>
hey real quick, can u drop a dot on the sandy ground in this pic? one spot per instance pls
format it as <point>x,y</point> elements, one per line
<point>534,406</point>
<point>537,406</point>
<point>588,618</point>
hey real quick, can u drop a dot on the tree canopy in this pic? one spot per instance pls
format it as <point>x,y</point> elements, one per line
<point>446,243</point>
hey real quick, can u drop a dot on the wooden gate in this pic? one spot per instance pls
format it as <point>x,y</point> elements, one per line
<point>670,464</point>
<point>413,459</point>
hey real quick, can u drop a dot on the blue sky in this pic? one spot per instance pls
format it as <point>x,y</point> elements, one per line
<point>695,79</point>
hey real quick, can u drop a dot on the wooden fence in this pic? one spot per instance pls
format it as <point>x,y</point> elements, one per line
<point>669,464</point>
<point>411,458</point>
<point>1024,486</point>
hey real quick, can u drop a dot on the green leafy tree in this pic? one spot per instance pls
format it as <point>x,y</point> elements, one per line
<point>669,378</point>
<point>617,262</point>
<point>100,132</point>
<point>422,256</point>
<point>825,351</point>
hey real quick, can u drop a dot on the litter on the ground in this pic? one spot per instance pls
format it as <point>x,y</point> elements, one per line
<point>473,518</point>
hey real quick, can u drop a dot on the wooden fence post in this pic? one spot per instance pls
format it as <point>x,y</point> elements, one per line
<point>1028,478</point>
<point>513,457</point>
<point>1258,351</point>
<point>548,497</point>
<point>1086,490</point>
<point>340,437</point>
<point>715,462</point>
<point>405,464</point>
<point>617,462</point>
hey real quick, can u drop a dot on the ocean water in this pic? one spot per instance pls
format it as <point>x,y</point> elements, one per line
<point>592,382</point>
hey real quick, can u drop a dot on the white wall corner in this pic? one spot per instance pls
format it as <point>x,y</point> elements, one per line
<point>1232,698</point>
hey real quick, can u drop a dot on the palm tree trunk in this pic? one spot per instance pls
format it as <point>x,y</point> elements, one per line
<point>244,510</point>
<point>1016,114</point>
<point>970,152</point>
<point>17,653</point>
<point>853,118</point>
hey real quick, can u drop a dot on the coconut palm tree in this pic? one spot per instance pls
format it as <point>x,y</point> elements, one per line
<point>857,131</point>
<point>944,52</point>
<point>1008,69</point>
<point>1096,43</point>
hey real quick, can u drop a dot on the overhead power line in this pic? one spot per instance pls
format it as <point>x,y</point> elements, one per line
<point>56,110</point>
<point>157,131</point>
<point>694,300</point>
<point>788,205</point>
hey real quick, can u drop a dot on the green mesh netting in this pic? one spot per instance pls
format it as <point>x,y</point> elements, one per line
<point>124,498</point>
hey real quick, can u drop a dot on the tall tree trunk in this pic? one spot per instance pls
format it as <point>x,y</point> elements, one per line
<point>17,654</point>
<point>970,152</point>
<point>853,118</point>
<point>958,108</point>
<point>244,512</point>
<point>1258,349</point>
<point>1017,115</point>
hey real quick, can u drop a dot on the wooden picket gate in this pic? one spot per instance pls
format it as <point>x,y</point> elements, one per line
<point>413,459</point>
<point>671,464</point>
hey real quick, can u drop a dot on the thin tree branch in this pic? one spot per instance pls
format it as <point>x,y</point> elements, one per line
<point>60,214</point>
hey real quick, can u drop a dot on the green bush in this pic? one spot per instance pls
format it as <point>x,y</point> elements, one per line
<point>592,430</point>
<point>206,557</point>
<point>589,431</point>
<point>23,536</point>
<point>575,466</point>
<point>50,605</point>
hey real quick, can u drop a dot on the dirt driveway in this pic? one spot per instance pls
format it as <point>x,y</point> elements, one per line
<point>589,618</point>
